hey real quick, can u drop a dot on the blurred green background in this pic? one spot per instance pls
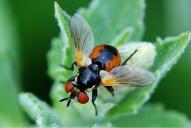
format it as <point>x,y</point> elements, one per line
<point>36,26</point>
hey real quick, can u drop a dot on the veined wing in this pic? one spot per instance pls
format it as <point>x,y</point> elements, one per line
<point>83,39</point>
<point>126,76</point>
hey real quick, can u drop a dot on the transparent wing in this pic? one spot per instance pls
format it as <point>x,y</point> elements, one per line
<point>83,39</point>
<point>126,76</point>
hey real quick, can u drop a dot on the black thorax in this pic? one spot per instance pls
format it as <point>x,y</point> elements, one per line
<point>88,76</point>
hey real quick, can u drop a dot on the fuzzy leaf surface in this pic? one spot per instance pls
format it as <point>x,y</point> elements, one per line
<point>153,116</point>
<point>169,51</point>
<point>110,17</point>
<point>39,111</point>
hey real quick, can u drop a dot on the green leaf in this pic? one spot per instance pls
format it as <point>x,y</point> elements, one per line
<point>63,21</point>
<point>9,69</point>
<point>62,53</point>
<point>168,52</point>
<point>123,37</point>
<point>55,55</point>
<point>39,111</point>
<point>152,116</point>
<point>108,18</point>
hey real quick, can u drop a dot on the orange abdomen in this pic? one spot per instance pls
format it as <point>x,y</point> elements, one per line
<point>107,56</point>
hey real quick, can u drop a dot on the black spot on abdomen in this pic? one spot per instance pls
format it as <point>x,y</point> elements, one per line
<point>111,49</point>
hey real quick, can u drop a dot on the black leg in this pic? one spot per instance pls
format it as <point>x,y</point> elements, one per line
<point>68,102</point>
<point>129,57</point>
<point>71,67</point>
<point>110,89</point>
<point>72,95</point>
<point>94,96</point>
<point>64,99</point>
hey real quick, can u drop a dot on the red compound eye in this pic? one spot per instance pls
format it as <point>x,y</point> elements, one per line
<point>68,87</point>
<point>82,98</point>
